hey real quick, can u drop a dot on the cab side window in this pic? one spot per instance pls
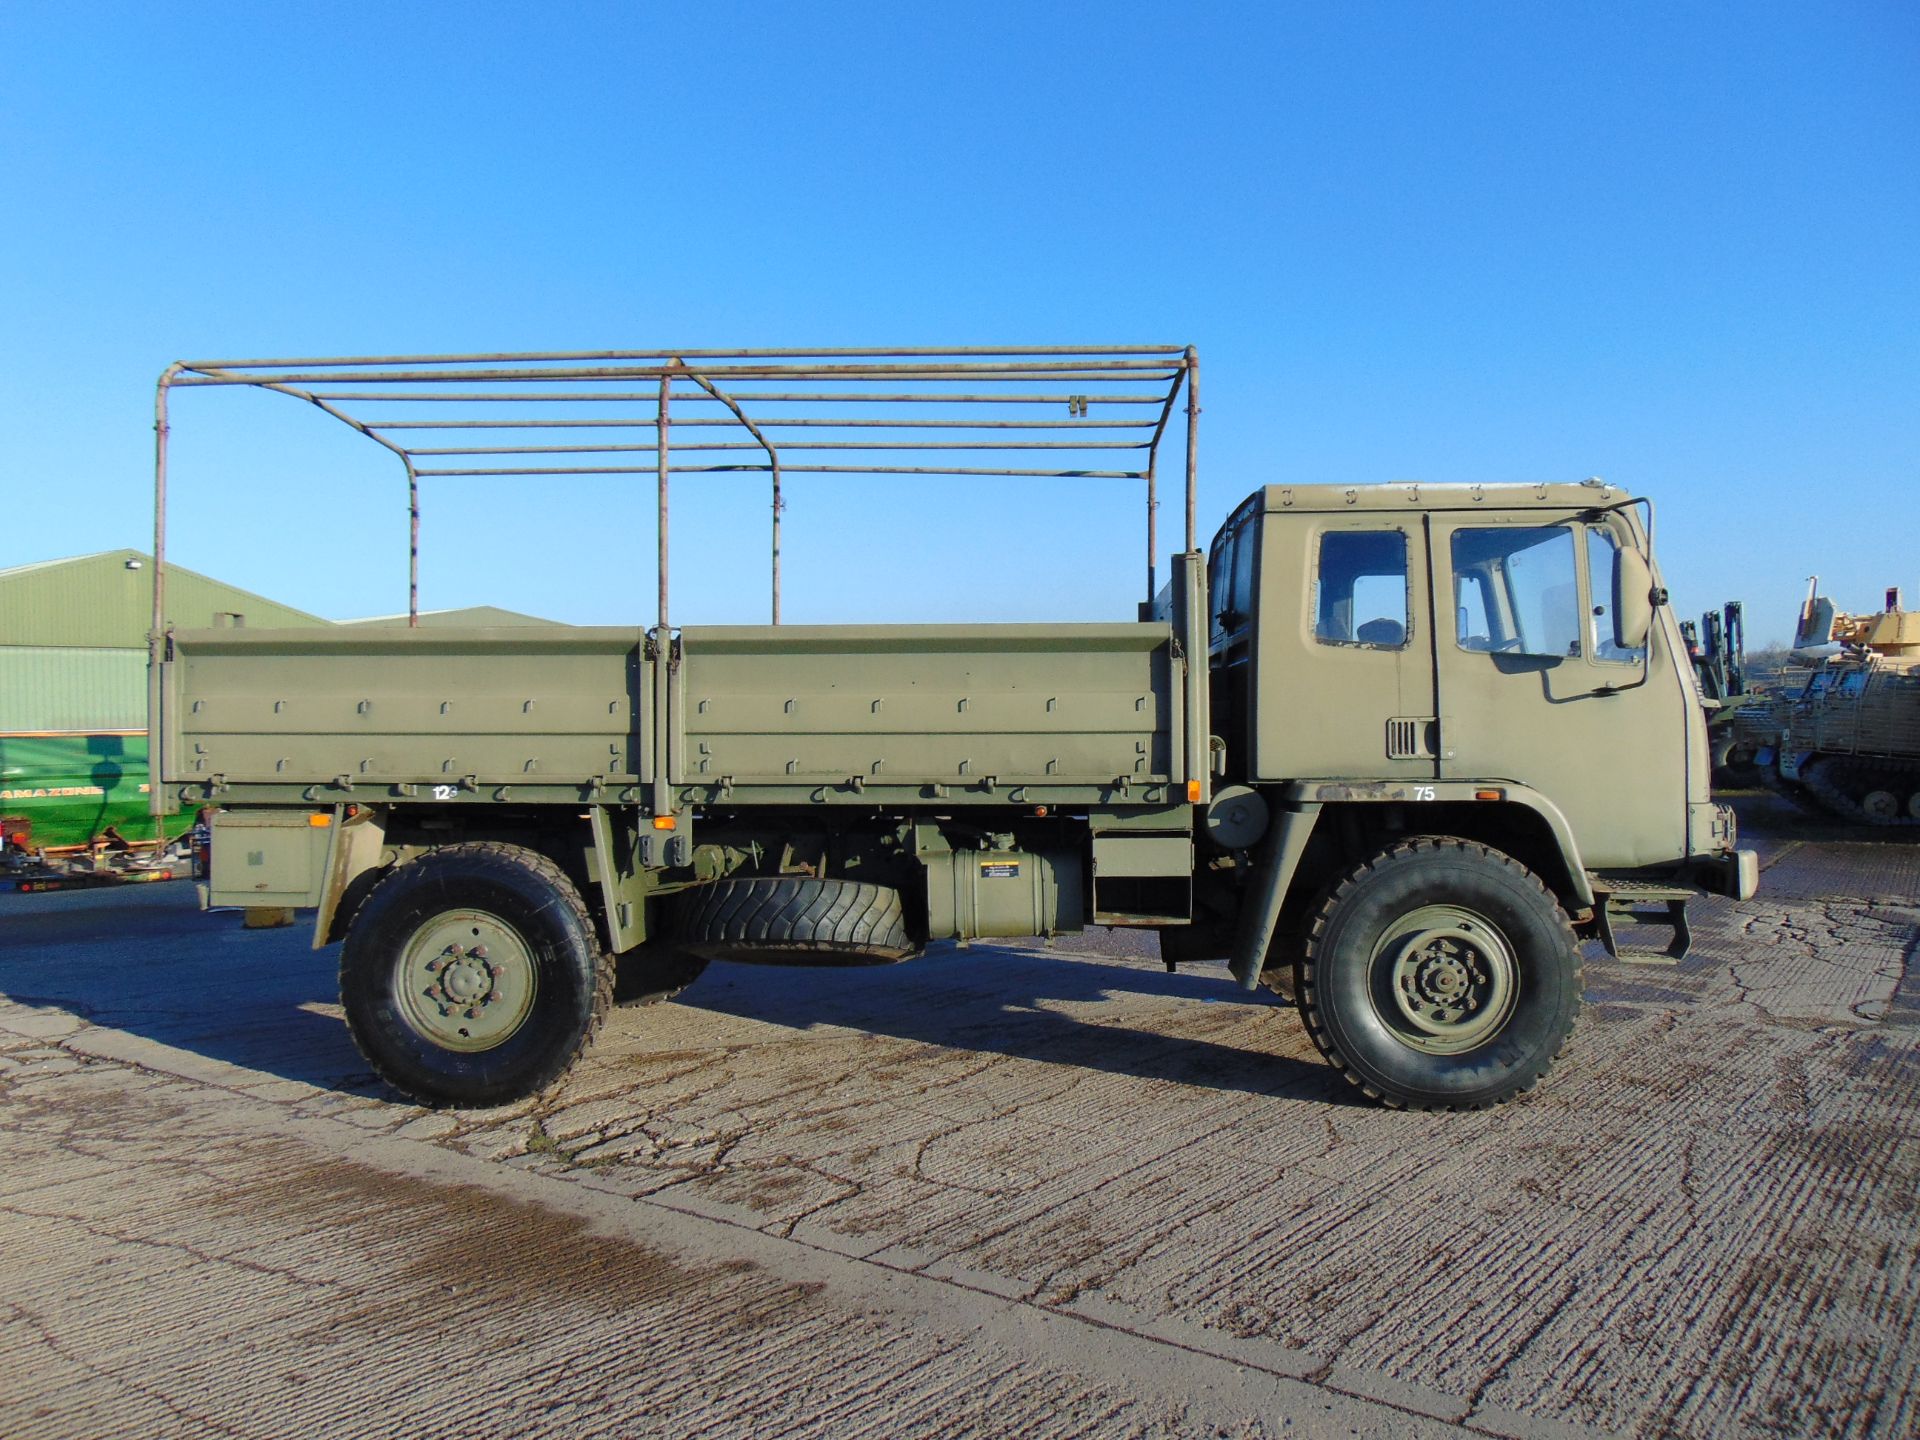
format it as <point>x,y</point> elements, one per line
<point>1472,608</point>
<point>1360,589</point>
<point>1515,590</point>
<point>1603,582</point>
<point>1240,606</point>
<point>1220,582</point>
<point>1230,580</point>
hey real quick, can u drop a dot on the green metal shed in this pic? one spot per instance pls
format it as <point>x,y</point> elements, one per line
<point>73,687</point>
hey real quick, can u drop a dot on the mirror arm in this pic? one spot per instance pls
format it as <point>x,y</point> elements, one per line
<point>1656,598</point>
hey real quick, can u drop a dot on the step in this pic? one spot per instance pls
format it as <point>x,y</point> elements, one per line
<point>1663,906</point>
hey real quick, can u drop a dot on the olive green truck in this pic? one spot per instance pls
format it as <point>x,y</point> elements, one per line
<point>1396,751</point>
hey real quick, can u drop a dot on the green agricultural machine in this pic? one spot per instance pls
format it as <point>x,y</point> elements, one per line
<point>1394,750</point>
<point>63,791</point>
<point>75,813</point>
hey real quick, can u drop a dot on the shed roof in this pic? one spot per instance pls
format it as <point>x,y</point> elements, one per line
<point>470,615</point>
<point>104,601</point>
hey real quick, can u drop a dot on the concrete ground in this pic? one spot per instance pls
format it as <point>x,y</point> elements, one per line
<point>994,1192</point>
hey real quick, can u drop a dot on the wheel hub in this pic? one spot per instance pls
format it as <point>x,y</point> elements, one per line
<point>465,981</point>
<point>1445,979</point>
<point>1444,975</point>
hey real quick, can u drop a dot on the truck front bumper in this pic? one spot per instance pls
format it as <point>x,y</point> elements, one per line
<point>1717,864</point>
<point>1735,873</point>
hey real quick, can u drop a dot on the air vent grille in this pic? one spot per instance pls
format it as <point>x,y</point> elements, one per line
<point>1411,737</point>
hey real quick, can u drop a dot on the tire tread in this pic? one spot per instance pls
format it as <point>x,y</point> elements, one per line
<point>797,914</point>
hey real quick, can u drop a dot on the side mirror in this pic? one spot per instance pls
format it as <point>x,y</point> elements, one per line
<point>1632,598</point>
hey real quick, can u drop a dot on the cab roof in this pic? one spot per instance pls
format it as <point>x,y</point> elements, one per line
<point>1418,495</point>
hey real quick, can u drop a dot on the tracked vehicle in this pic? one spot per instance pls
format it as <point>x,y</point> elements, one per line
<point>1396,749</point>
<point>1850,742</point>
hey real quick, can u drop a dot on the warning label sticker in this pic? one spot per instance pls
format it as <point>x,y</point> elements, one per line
<point>999,869</point>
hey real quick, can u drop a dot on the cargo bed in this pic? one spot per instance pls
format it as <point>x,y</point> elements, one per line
<point>1086,713</point>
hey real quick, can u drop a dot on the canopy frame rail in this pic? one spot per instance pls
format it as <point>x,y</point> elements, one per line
<point>982,395</point>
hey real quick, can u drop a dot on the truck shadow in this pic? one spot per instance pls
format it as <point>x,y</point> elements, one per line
<point>146,960</point>
<point>1030,1005</point>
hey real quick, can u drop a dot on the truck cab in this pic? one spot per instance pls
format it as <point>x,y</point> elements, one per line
<point>1490,661</point>
<point>1408,634</point>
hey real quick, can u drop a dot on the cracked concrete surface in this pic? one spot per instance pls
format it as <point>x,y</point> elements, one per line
<point>994,1192</point>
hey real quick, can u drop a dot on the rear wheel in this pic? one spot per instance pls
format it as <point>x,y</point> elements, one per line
<point>473,976</point>
<point>1441,974</point>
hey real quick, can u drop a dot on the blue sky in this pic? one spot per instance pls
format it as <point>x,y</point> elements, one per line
<point>1673,245</point>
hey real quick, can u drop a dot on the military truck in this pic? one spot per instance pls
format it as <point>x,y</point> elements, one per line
<point>1395,749</point>
<point>1850,741</point>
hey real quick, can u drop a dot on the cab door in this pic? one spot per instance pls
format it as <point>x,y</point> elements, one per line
<point>1534,688</point>
<point>1345,680</point>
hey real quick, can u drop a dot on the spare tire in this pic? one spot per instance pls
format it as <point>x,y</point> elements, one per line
<point>794,920</point>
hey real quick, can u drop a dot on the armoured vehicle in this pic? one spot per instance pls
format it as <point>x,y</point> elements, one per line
<point>1750,735</point>
<point>1850,740</point>
<point>1398,749</point>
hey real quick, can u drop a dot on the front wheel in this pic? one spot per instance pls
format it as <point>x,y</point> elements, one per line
<point>1441,974</point>
<point>473,976</point>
